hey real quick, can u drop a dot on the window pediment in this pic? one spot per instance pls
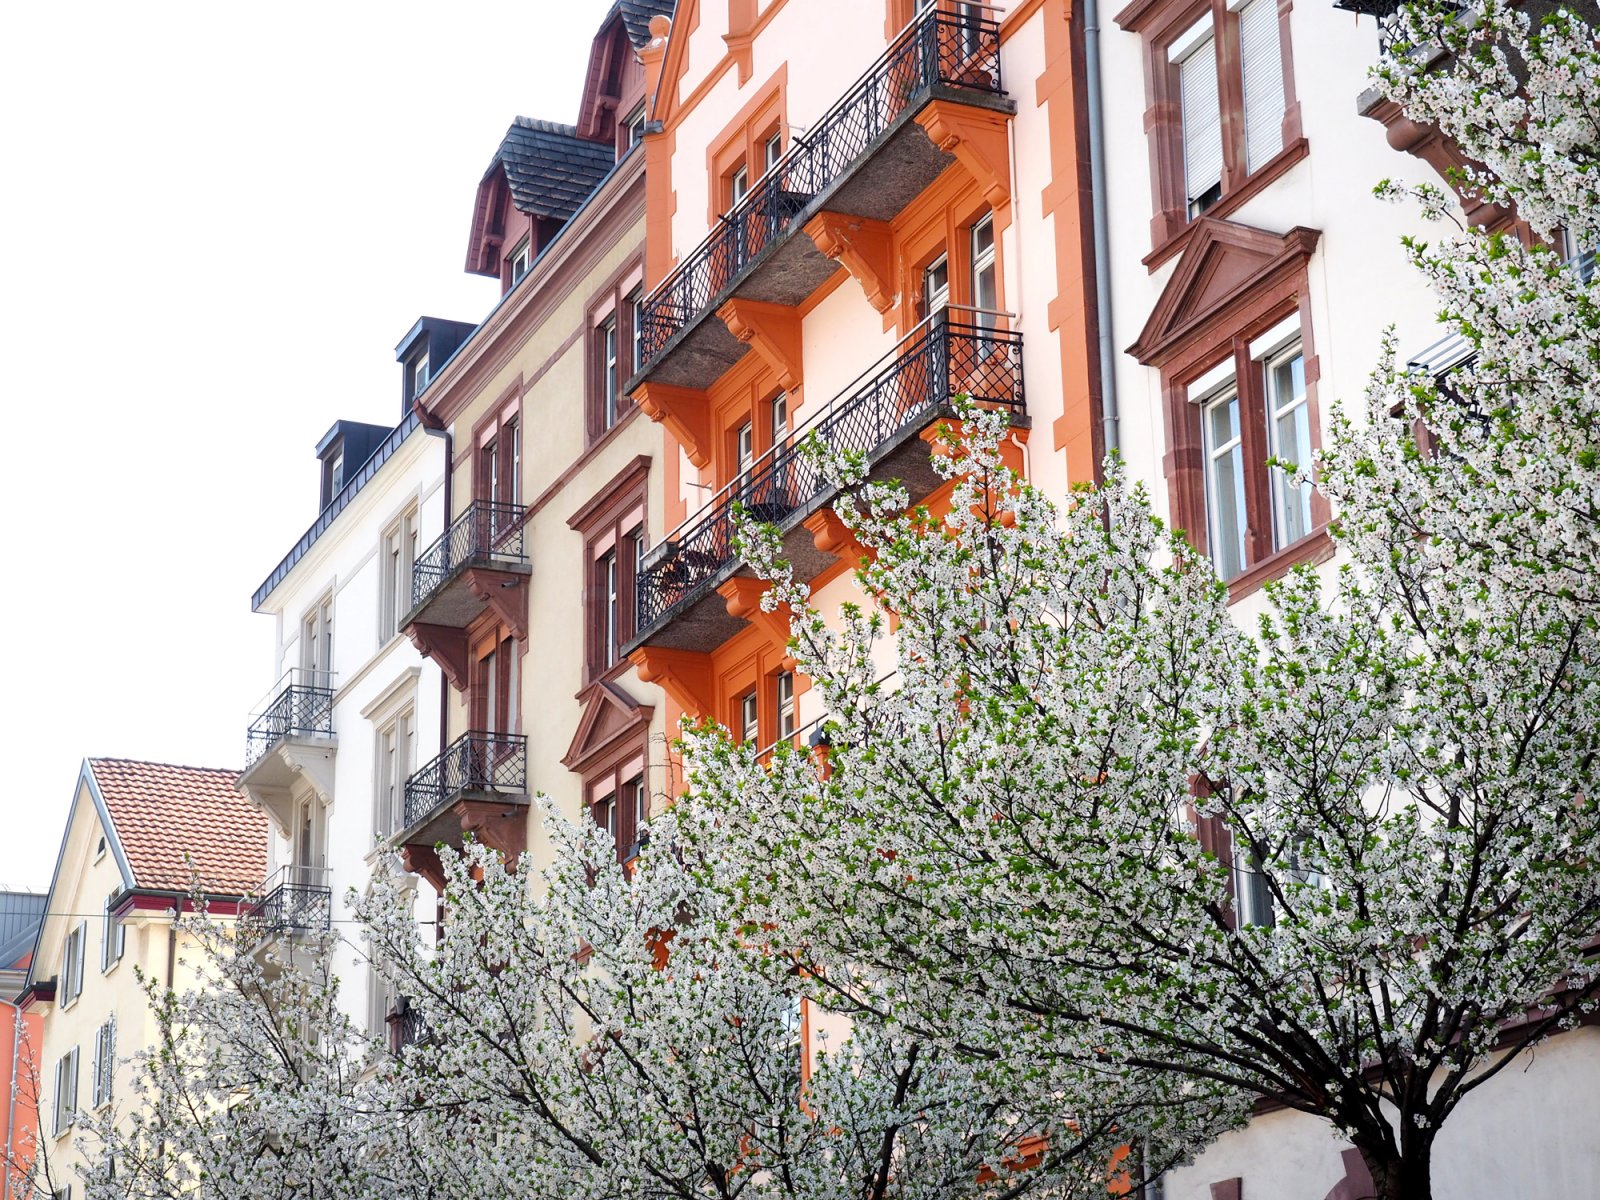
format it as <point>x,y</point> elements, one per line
<point>610,717</point>
<point>1223,264</point>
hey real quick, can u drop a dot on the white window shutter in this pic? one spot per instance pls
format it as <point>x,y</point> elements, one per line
<point>1259,47</point>
<point>1202,119</point>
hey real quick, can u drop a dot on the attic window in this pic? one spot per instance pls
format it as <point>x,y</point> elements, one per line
<point>521,259</point>
<point>419,376</point>
<point>633,128</point>
<point>100,850</point>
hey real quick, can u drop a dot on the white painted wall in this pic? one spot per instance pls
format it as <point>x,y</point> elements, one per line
<point>369,669</point>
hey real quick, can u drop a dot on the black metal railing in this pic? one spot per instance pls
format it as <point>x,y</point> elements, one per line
<point>1392,34</point>
<point>302,705</point>
<point>474,762</point>
<point>485,530</point>
<point>291,900</point>
<point>917,381</point>
<point>947,49</point>
<point>407,1027</point>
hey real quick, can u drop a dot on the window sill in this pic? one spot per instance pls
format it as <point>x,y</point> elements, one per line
<point>1315,547</point>
<point>1271,170</point>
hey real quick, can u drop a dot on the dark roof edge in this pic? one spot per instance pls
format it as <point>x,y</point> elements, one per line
<point>337,505</point>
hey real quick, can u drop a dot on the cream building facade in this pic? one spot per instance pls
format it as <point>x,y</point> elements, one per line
<point>139,837</point>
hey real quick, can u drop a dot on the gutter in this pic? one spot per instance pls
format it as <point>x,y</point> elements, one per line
<point>433,428</point>
<point>1110,425</point>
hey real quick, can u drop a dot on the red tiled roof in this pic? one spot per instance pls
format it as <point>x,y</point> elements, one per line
<point>175,823</point>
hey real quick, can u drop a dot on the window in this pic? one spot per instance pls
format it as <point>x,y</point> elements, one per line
<point>620,804</point>
<point>1195,55</point>
<point>397,757</point>
<point>985,287</point>
<point>113,935</point>
<point>1220,108</point>
<point>1225,503</point>
<point>399,555</point>
<point>936,285</point>
<point>738,185</point>
<point>305,844</point>
<point>633,128</point>
<point>610,386</point>
<point>635,303</point>
<point>496,694</point>
<point>1252,894</point>
<point>72,965</point>
<point>614,532</point>
<point>316,643</point>
<point>1254,510</point>
<point>105,1062</point>
<point>749,718</point>
<point>772,150</point>
<point>521,259</point>
<point>784,686</point>
<point>66,1106</point>
<point>332,476</point>
<point>419,376</point>
<point>744,447</point>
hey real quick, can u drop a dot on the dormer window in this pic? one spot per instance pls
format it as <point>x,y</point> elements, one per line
<point>521,259</point>
<point>332,476</point>
<point>633,129</point>
<point>419,376</point>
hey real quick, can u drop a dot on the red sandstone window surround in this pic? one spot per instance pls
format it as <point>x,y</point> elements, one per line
<point>1220,107</point>
<point>615,535</point>
<point>613,349</point>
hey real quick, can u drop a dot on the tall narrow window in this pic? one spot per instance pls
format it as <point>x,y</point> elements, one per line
<point>1289,437</point>
<point>1261,60</point>
<point>772,151</point>
<point>66,1107</point>
<point>399,554</point>
<point>396,760</point>
<point>610,582</point>
<point>105,1062</point>
<point>744,447</point>
<point>749,718</point>
<point>785,704</point>
<point>738,185</point>
<point>1252,895</point>
<point>1195,54</point>
<point>635,303</point>
<point>521,259</point>
<point>985,284</point>
<point>609,389</point>
<point>1225,503</point>
<point>113,935</point>
<point>641,805</point>
<point>936,285</point>
<point>72,966</point>
<point>419,375</point>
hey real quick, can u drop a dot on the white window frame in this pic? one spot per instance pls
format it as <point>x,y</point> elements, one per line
<point>738,185</point>
<point>749,717</point>
<point>113,936</point>
<point>1200,113</point>
<point>316,642</point>
<point>103,1071</point>
<point>635,303</point>
<point>65,1112</point>
<point>399,556</point>
<point>784,687</point>
<point>521,259</point>
<point>1299,406</point>
<point>772,150</point>
<point>1252,898</point>
<point>72,965</point>
<point>1227,393</point>
<point>936,295</point>
<point>985,273</point>
<point>608,365</point>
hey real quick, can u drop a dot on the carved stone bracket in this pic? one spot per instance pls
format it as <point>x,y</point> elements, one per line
<point>502,828</point>
<point>685,675</point>
<point>772,331</point>
<point>686,412</point>
<point>505,592</point>
<point>862,246</point>
<point>743,598</point>
<point>977,137</point>
<point>829,534</point>
<point>447,646</point>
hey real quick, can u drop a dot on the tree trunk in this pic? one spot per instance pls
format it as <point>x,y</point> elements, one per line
<point>1404,1176</point>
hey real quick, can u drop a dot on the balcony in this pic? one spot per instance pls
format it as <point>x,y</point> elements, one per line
<point>291,740</point>
<point>478,563</point>
<point>477,786</point>
<point>407,1027</point>
<point>868,157</point>
<point>291,901</point>
<point>882,416</point>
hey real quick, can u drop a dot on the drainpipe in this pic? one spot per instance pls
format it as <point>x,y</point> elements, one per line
<point>1102,247</point>
<point>11,1103</point>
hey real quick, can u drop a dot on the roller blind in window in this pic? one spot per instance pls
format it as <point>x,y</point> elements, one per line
<point>1263,81</point>
<point>1202,122</point>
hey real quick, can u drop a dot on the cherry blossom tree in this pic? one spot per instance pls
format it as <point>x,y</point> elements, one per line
<point>1344,864</point>
<point>608,1034</point>
<point>258,1085</point>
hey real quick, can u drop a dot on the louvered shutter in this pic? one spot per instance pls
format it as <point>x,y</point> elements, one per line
<point>1259,48</point>
<point>1202,117</point>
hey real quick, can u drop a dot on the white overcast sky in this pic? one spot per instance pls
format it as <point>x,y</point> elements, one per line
<point>216,221</point>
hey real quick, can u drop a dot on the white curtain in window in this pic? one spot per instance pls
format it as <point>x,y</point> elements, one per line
<point>1263,81</point>
<point>1202,119</point>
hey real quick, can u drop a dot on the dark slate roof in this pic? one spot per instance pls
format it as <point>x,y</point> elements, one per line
<point>636,16</point>
<point>21,913</point>
<point>551,169</point>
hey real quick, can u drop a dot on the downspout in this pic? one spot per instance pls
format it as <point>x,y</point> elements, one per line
<point>11,1103</point>
<point>1102,240</point>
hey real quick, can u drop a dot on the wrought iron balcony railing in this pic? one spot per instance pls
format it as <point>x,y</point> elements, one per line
<point>957,50</point>
<point>913,384</point>
<point>486,530</point>
<point>291,900</point>
<point>1391,29</point>
<point>301,706</point>
<point>407,1027</point>
<point>474,762</point>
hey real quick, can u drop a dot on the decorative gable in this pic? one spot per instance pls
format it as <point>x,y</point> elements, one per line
<point>1223,265</point>
<point>610,718</point>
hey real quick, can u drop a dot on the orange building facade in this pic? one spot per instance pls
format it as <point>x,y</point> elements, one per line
<point>850,222</point>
